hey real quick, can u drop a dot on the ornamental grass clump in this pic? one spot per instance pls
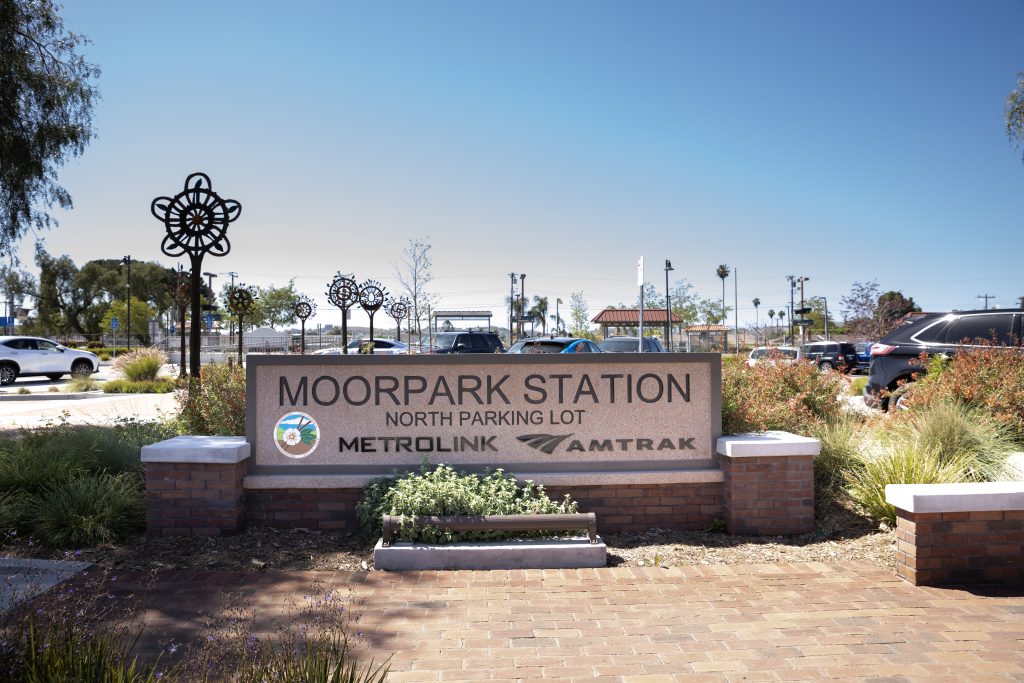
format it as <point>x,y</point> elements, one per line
<point>215,404</point>
<point>440,490</point>
<point>141,365</point>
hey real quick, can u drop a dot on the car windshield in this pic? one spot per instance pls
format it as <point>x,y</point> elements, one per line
<point>445,340</point>
<point>614,345</point>
<point>758,353</point>
<point>541,347</point>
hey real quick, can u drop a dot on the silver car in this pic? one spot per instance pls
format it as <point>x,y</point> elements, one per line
<point>33,356</point>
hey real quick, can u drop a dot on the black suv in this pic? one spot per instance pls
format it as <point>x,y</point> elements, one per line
<point>894,358</point>
<point>630,345</point>
<point>467,342</point>
<point>831,355</point>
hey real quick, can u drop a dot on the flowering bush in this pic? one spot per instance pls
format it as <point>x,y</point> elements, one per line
<point>794,398</point>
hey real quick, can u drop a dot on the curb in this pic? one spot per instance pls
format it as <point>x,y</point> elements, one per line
<point>52,396</point>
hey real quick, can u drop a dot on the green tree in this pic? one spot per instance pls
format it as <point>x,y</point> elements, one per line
<point>685,303</point>
<point>579,314</point>
<point>142,314</point>
<point>15,285</point>
<point>539,312</point>
<point>273,307</point>
<point>46,107</point>
<point>60,302</point>
<point>1015,113</point>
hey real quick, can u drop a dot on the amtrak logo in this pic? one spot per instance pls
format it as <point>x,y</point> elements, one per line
<point>545,443</point>
<point>296,435</point>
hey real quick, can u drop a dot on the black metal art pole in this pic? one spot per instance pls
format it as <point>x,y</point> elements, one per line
<point>371,298</point>
<point>343,292</point>
<point>240,300</point>
<point>128,261</point>
<point>181,299</point>
<point>304,308</point>
<point>397,309</point>
<point>196,220</point>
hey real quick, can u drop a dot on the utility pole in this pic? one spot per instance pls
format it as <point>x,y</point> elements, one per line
<point>736,305</point>
<point>640,283</point>
<point>792,285</point>
<point>825,299</point>
<point>522,302</point>
<point>986,297</point>
<point>128,260</point>
<point>803,308</point>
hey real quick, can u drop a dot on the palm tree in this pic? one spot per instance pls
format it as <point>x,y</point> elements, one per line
<point>781,315</point>
<point>539,312</point>
<point>723,272</point>
<point>771,316</point>
<point>756,302</point>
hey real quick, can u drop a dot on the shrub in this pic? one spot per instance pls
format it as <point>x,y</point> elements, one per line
<point>23,391</point>
<point>94,345</point>
<point>79,384</point>
<point>215,404</point>
<point>89,509</point>
<point>440,490</point>
<point>142,365</point>
<point>987,378</point>
<point>795,398</point>
<point>163,385</point>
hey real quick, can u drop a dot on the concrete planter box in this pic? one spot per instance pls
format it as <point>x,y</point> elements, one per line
<point>534,553</point>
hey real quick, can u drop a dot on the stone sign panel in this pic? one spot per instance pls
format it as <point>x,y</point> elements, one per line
<point>558,412</point>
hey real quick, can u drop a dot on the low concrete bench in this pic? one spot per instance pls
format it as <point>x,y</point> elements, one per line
<point>959,533</point>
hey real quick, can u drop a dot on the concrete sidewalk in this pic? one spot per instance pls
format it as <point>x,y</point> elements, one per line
<point>805,621</point>
<point>100,409</point>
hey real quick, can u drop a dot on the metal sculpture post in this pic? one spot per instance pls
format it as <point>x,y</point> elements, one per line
<point>397,309</point>
<point>196,220</point>
<point>240,300</point>
<point>343,292</point>
<point>304,308</point>
<point>371,298</point>
<point>182,295</point>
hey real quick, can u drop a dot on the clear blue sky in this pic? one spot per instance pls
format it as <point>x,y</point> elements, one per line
<point>840,141</point>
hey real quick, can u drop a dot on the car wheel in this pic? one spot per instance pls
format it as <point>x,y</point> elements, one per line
<point>8,373</point>
<point>826,366</point>
<point>81,368</point>
<point>53,377</point>
<point>900,398</point>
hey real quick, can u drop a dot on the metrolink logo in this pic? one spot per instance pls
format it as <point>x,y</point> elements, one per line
<point>547,443</point>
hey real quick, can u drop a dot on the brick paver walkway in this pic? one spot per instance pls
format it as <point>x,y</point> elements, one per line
<point>805,621</point>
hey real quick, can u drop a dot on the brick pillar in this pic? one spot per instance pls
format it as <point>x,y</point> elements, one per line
<point>769,483</point>
<point>194,485</point>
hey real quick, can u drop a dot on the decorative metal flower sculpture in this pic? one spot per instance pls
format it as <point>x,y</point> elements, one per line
<point>371,298</point>
<point>196,220</point>
<point>240,300</point>
<point>397,309</point>
<point>305,308</point>
<point>343,292</point>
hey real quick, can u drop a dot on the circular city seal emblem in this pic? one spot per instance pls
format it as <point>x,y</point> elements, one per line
<point>296,435</point>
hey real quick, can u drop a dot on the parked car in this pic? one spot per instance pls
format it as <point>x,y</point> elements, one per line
<point>831,355</point>
<point>553,345</point>
<point>381,347</point>
<point>467,342</point>
<point>631,345</point>
<point>863,355</point>
<point>787,355</point>
<point>894,357</point>
<point>33,356</point>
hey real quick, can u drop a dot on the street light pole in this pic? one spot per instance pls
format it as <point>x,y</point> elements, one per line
<point>128,260</point>
<point>209,279</point>
<point>511,304</point>
<point>792,284</point>
<point>522,302</point>
<point>231,332</point>
<point>668,307</point>
<point>802,279</point>
<point>558,319</point>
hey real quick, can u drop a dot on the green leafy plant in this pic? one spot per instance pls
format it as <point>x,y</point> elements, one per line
<point>441,490</point>
<point>80,384</point>
<point>141,365</point>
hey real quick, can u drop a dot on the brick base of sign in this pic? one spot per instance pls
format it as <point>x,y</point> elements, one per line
<point>194,499</point>
<point>637,507</point>
<point>325,509</point>
<point>197,486</point>
<point>960,547</point>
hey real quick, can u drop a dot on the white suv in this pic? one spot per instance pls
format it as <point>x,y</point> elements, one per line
<point>29,356</point>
